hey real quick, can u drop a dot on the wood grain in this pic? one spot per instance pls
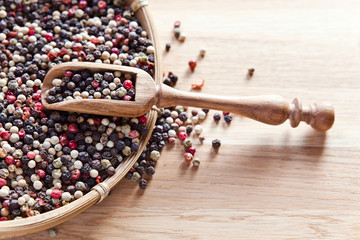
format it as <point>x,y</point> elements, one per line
<point>266,182</point>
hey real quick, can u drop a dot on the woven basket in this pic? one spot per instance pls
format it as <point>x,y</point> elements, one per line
<point>100,191</point>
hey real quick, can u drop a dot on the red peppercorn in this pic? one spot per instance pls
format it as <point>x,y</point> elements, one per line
<point>72,145</point>
<point>192,150</point>
<point>63,140</point>
<point>192,64</point>
<point>62,52</point>
<point>49,36</point>
<point>38,107</point>
<point>188,157</point>
<point>56,193</point>
<point>142,119</point>
<point>2,182</point>
<point>101,4</point>
<point>75,174</point>
<point>21,134</point>
<point>126,41</point>
<point>97,121</point>
<point>5,135</point>
<point>52,54</point>
<point>73,128</point>
<point>31,31</point>
<point>127,84</point>
<point>69,73</point>
<point>41,173</point>
<point>77,47</point>
<point>3,219</point>
<point>11,98</point>
<point>5,203</point>
<point>66,1</point>
<point>9,160</point>
<point>83,4</point>
<point>18,163</point>
<point>31,155</point>
<point>126,98</point>
<point>182,136</point>
<point>225,113</point>
<point>99,179</point>
<point>95,41</point>
<point>118,18</point>
<point>115,50</point>
<point>36,96</point>
<point>177,24</point>
<point>95,84</point>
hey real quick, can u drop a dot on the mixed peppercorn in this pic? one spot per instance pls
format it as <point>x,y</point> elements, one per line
<point>79,85</point>
<point>48,158</point>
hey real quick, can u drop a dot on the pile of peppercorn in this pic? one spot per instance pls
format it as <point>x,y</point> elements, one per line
<point>84,84</point>
<point>48,158</point>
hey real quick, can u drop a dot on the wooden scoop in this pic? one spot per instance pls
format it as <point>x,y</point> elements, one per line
<point>270,109</point>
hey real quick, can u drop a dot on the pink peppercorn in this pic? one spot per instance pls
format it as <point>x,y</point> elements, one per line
<point>69,74</point>
<point>11,98</point>
<point>2,182</point>
<point>31,31</point>
<point>192,64</point>
<point>225,113</point>
<point>49,36</point>
<point>126,98</point>
<point>115,50</point>
<point>21,134</point>
<point>31,155</point>
<point>5,135</point>
<point>188,157</point>
<point>177,24</point>
<point>52,54</point>
<point>9,160</point>
<point>64,140</point>
<point>192,150</point>
<point>36,96</point>
<point>102,4</point>
<point>127,84</point>
<point>73,128</point>
<point>71,12</point>
<point>182,136</point>
<point>77,47</point>
<point>3,219</point>
<point>41,173</point>
<point>56,193</point>
<point>72,145</point>
<point>83,4</point>
<point>142,119</point>
<point>75,174</point>
<point>95,84</point>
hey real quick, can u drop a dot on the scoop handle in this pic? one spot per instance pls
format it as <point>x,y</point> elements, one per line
<point>270,109</point>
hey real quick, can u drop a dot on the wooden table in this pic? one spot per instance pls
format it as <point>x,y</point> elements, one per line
<point>266,182</point>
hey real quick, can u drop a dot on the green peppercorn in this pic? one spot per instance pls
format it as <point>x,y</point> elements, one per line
<point>105,163</point>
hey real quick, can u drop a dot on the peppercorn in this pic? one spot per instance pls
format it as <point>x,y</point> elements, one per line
<point>227,118</point>
<point>167,47</point>
<point>217,117</point>
<point>216,144</point>
<point>143,184</point>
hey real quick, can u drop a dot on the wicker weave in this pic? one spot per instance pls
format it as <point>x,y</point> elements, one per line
<point>100,191</point>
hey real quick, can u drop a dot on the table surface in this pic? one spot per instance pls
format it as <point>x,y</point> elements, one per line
<point>266,182</point>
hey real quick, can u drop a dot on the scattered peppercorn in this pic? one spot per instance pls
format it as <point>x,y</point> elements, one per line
<point>192,64</point>
<point>251,72</point>
<point>167,47</point>
<point>228,118</point>
<point>216,144</point>
<point>217,117</point>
